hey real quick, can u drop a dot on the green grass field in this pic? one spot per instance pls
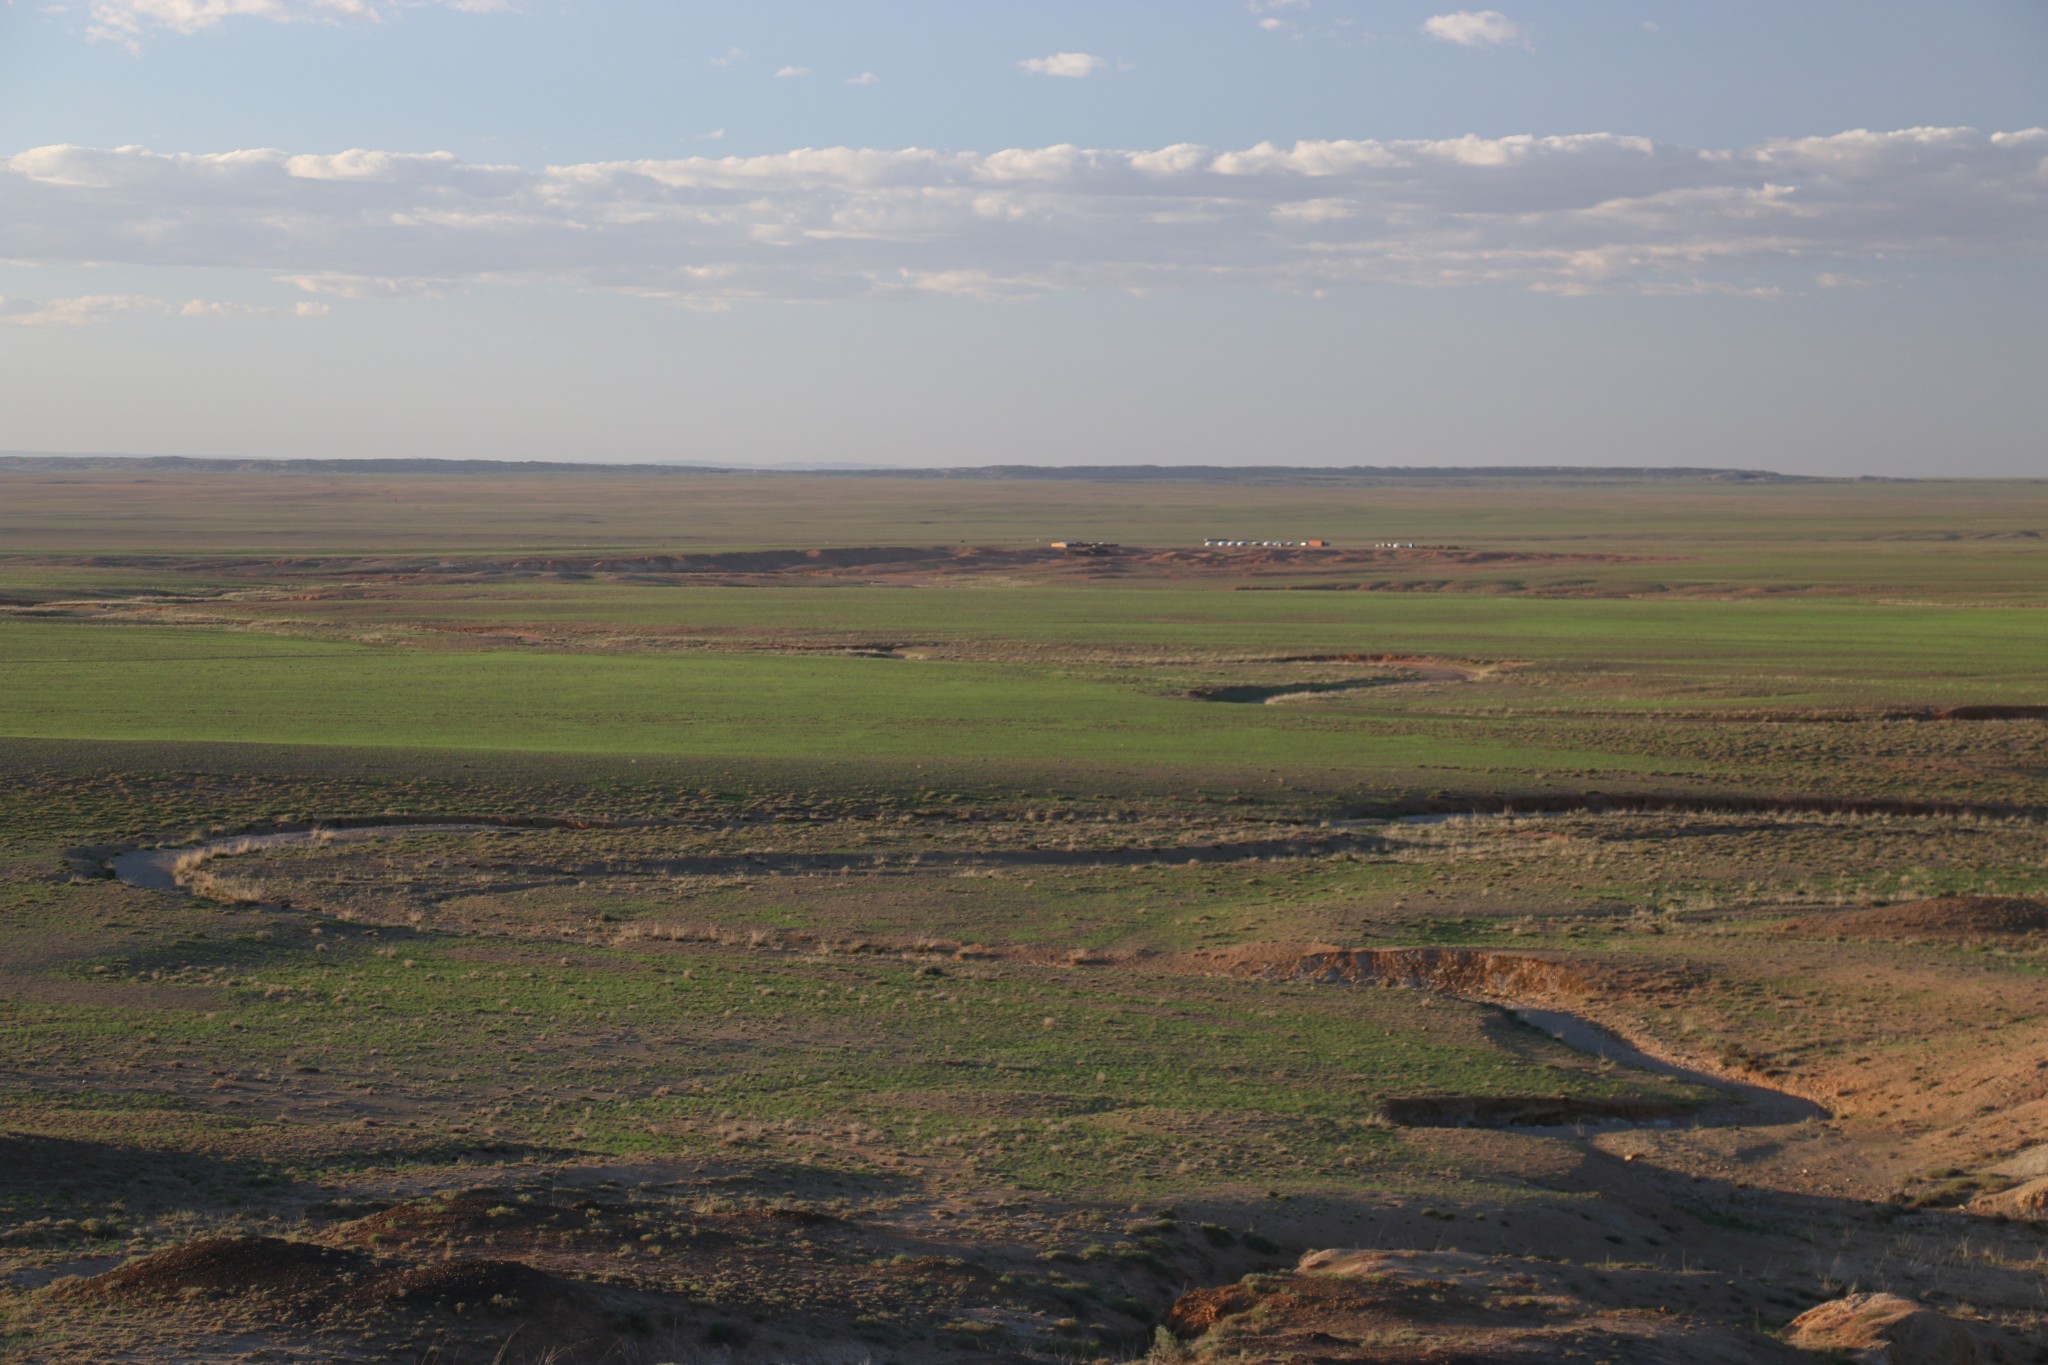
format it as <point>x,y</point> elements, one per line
<point>1084,679</point>
<point>942,908</point>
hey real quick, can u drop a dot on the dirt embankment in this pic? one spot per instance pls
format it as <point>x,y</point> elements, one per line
<point>1581,1004</point>
<point>1691,803</point>
<point>1407,1307</point>
<point>1414,668</point>
<point>165,868</point>
<point>1986,711</point>
<point>1520,1111</point>
<point>865,561</point>
<point>1938,919</point>
<point>1260,694</point>
<point>153,867</point>
<point>1474,974</point>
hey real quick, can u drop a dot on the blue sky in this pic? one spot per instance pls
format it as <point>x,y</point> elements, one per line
<point>1802,235</point>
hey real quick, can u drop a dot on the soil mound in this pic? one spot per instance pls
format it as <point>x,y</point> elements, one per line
<point>465,1216</point>
<point>299,1279</point>
<point>1884,1329</point>
<point>498,1222</point>
<point>1940,919</point>
<point>218,1267</point>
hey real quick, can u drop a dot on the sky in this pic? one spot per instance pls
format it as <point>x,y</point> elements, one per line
<point>1803,235</point>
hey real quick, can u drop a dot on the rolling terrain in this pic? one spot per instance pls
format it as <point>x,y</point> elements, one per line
<point>602,915</point>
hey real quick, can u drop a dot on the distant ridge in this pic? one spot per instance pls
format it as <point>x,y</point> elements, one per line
<point>1160,473</point>
<point>34,462</point>
<point>39,462</point>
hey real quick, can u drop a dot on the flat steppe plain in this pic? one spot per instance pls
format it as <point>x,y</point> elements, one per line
<point>775,918</point>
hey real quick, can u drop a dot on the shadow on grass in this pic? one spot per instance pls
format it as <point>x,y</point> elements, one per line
<point>43,1176</point>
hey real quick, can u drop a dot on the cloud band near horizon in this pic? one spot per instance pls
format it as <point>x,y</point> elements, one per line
<point>1572,214</point>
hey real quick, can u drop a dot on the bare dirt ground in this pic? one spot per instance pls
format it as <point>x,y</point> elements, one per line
<point>1873,1112</point>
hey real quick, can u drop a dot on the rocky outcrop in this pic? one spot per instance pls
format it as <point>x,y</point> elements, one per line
<point>2028,1201</point>
<point>1884,1329</point>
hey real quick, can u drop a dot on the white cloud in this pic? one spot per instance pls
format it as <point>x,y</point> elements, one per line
<point>127,21</point>
<point>1073,65</point>
<point>84,309</point>
<point>1316,210</point>
<point>1273,23</point>
<point>75,312</point>
<point>1474,28</point>
<point>357,286</point>
<point>791,72</point>
<point>1571,214</point>
<point>731,56</point>
<point>213,308</point>
<point>864,78</point>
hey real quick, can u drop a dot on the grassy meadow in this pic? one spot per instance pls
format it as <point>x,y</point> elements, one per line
<point>962,955</point>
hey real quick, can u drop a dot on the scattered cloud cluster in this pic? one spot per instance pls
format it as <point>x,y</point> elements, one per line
<point>1474,28</point>
<point>126,21</point>
<point>1299,20</point>
<point>1072,65</point>
<point>1573,214</point>
<point>1270,21</point>
<point>82,309</point>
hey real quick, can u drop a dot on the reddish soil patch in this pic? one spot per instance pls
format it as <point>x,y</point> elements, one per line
<point>1889,1328</point>
<point>1445,1307</point>
<point>1196,1311</point>
<point>1941,919</point>
<point>2028,1201</point>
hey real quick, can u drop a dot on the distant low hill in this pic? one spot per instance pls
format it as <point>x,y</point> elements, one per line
<point>35,462</point>
<point>1161,473</point>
